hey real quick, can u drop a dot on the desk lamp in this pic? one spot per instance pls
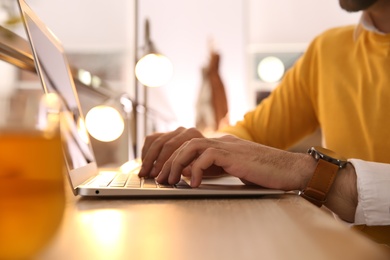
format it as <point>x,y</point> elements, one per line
<point>152,70</point>
<point>106,122</point>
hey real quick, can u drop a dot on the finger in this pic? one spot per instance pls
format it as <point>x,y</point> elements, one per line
<point>210,157</point>
<point>152,149</point>
<point>148,142</point>
<point>166,172</point>
<point>147,160</point>
<point>184,157</point>
<point>171,146</point>
<point>186,171</point>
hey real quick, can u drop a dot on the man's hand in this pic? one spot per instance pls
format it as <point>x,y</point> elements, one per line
<point>160,146</point>
<point>249,161</point>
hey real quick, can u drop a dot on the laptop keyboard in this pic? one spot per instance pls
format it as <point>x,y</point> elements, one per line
<point>134,181</point>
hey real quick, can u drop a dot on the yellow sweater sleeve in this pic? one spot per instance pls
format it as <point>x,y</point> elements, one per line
<point>341,84</point>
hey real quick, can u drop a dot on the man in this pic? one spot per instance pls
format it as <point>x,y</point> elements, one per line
<point>341,84</point>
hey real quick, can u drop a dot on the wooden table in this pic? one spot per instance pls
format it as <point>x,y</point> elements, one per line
<point>273,227</point>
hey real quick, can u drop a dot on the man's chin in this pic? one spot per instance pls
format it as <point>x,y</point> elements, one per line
<point>356,5</point>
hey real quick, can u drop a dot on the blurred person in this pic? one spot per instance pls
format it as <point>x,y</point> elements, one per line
<point>341,85</point>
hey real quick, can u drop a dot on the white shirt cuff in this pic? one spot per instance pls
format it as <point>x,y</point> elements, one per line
<point>373,186</point>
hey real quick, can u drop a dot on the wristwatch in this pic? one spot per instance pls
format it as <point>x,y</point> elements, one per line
<point>324,175</point>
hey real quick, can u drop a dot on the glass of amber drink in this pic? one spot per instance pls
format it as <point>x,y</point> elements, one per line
<point>32,196</point>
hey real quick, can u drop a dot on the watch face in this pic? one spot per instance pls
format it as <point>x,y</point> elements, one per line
<point>322,153</point>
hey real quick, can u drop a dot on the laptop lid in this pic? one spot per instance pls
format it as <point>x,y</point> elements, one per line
<point>55,76</point>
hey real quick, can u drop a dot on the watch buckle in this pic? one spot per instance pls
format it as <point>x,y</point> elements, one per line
<point>313,193</point>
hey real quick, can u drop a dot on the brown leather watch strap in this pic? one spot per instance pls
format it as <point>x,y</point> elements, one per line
<point>319,185</point>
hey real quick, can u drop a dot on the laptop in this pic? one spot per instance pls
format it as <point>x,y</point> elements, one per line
<point>85,178</point>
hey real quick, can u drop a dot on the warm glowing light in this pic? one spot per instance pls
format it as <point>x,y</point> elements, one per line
<point>132,166</point>
<point>154,70</point>
<point>95,81</point>
<point>49,114</point>
<point>104,123</point>
<point>82,130</point>
<point>106,236</point>
<point>270,69</point>
<point>51,101</point>
<point>85,77</point>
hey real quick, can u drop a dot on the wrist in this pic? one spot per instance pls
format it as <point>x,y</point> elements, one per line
<point>300,170</point>
<point>306,171</point>
<point>343,197</point>
<point>322,180</point>
<point>332,182</point>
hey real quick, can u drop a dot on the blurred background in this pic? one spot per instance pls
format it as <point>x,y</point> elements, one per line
<point>107,38</point>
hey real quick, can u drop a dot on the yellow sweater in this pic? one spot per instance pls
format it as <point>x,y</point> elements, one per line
<point>341,84</point>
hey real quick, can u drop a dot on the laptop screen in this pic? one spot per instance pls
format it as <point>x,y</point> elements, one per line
<point>55,75</point>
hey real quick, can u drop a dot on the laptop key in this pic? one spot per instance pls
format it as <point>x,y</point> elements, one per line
<point>119,180</point>
<point>149,183</point>
<point>102,180</point>
<point>134,181</point>
<point>116,184</point>
<point>183,185</point>
<point>165,186</point>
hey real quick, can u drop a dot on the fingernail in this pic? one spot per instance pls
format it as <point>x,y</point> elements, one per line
<point>153,172</point>
<point>141,172</point>
<point>159,180</point>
